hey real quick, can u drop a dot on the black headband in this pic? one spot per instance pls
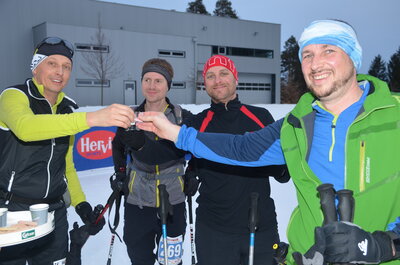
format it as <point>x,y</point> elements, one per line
<point>156,68</point>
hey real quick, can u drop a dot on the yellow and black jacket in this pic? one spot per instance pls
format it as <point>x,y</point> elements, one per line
<point>36,146</point>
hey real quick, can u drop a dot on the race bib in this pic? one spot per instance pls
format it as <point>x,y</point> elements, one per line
<point>174,250</point>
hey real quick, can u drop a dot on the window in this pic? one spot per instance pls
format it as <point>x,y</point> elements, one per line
<point>91,48</point>
<point>200,86</point>
<point>242,86</point>
<point>248,52</point>
<point>169,53</point>
<point>178,85</point>
<point>91,83</point>
<point>254,86</point>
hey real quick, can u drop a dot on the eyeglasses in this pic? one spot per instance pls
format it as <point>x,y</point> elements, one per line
<point>55,41</point>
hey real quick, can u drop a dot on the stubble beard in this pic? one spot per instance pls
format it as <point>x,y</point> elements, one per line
<point>336,86</point>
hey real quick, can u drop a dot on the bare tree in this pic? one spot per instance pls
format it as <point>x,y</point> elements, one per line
<point>101,63</point>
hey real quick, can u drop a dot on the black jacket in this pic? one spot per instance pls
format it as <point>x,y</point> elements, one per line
<point>225,190</point>
<point>145,147</point>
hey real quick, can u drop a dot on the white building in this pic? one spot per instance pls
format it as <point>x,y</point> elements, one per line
<point>136,34</point>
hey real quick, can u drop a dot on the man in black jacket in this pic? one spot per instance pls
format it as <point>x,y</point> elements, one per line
<point>154,161</point>
<point>222,216</point>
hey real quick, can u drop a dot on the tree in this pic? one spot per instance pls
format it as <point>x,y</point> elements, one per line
<point>394,71</point>
<point>378,68</point>
<point>293,84</point>
<point>197,7</point>
<point>223,8</point>
<point>101,64</point>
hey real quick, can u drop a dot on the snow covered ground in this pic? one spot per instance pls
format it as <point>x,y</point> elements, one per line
<point>95,183</point>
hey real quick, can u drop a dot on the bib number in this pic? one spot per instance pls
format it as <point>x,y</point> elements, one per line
<point>174,250</point>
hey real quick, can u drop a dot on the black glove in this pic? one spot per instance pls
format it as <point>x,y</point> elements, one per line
<point>78,236</point>
<point>191,183</point>
<point>347,242</point>
<point>134,139</point>
<point>312,257</point>
<point>118,183</point>
<point>89,217</point>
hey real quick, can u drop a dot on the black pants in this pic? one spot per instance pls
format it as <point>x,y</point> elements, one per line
<point>214,247</point>
<point>142,231</point>
<point>43,251</point>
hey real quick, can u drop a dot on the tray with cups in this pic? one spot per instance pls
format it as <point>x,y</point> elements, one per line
<point>24,226</point>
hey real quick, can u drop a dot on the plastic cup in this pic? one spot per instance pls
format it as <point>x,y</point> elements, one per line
<point>39,213</point>
<point>3,217</point>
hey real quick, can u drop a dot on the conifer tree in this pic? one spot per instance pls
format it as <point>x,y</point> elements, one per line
<point>223,8</point>
<point>378,68</point>
<point>394,71</point>
<point>197,7</point>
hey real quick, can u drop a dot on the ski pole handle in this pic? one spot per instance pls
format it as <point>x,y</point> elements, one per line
<point>327,200</point>
<point>346,205</point>
<point>163,195</point>
<point>253,211</point>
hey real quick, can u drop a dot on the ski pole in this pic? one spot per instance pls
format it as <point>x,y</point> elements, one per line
<point>191,229</point>
<point>111,249</point>
<point>165,208</point>
<point>327,200</point>
<point>346,205</point>
<point>253,224</point>
<point>345,208</point>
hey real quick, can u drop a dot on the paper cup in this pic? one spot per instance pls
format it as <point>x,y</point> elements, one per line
<point>3,217</point>
<point>39,213</point>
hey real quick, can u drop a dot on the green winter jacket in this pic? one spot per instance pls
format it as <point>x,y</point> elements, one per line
<point>372,164</point>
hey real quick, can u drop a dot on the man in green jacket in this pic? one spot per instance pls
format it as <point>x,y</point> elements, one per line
<point>346,131</point>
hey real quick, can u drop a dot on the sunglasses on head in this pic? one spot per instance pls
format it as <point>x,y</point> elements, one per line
<point>56,41</point>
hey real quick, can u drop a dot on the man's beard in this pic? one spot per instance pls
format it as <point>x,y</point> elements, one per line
<point>337,85</point>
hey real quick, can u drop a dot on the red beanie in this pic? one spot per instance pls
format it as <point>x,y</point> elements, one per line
<point>220,60</point>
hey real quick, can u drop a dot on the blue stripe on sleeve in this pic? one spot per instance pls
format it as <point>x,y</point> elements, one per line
<point>260,148</point>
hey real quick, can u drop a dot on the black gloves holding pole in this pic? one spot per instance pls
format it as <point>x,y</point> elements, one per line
<point>118,181</point>
<point>191,183</point>
<point>89,217</point>
<point>344,242</point>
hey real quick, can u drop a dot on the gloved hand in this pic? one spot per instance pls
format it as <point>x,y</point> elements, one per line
<point>347,242</point>
<point>312,257</point>
<point>344,242</point>
<point>89,217</point>
<point>134,139</point>
<point>118,183</point>
<point>191,183</point>
<point>78,236</point>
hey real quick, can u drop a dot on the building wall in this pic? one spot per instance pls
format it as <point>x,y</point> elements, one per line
<point>136,34</point>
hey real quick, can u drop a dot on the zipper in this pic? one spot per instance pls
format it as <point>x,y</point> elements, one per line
<point>10,184</point>
<point>333,132</point>
<point>362,166</point>
<point>53,144</point>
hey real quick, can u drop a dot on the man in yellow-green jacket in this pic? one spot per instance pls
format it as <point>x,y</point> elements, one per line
<point>37,125</point>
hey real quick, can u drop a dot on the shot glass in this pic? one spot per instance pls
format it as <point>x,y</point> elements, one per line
<point>39,213</point>
<point>3,217</point>
<point>133,124</point>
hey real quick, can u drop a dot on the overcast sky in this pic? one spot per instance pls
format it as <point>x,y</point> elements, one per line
<point>377,22</point>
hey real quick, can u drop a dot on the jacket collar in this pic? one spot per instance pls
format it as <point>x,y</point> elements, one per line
<point>234,104</point>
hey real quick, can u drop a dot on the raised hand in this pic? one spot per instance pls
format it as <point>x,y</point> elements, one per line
<point>113,115</point>
<point>158,123</point>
